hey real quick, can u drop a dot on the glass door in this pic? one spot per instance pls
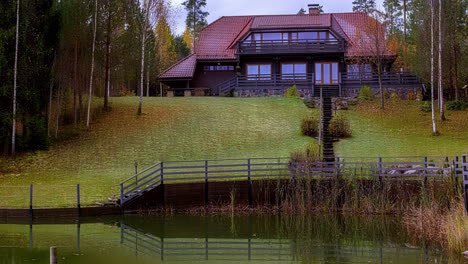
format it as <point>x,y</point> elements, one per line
<point>326,73</point>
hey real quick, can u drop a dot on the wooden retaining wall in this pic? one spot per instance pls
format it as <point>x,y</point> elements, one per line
<point>263,192</point>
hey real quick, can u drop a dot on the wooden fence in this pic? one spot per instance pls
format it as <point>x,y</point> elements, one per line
<point>161,173</point>
<point>264,250</point>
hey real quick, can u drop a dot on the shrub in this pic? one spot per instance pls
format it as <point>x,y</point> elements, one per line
<point>340,127</point>
<point>457,105</point>
<point>366,93</point>
<point>411,96</point>
<point>426,107</point>
<point>292,92</point>
<point>419,96</point>
<point>310,127</point>
<point>309,103</point>
<point>394,97</point>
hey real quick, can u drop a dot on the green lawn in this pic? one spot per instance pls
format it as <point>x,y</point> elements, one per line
<point>170,129</point>
<point>212,128</point>
<point>402,130</point>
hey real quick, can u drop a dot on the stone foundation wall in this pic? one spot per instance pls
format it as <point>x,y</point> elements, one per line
<point>307,93</point>
<point>402,92</point>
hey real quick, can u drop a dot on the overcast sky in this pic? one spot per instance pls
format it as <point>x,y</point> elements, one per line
<point>219,8</point>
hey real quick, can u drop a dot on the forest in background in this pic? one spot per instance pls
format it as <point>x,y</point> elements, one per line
<point>68,50</point>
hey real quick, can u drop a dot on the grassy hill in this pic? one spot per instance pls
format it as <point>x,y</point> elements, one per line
<point>212,128</point>
<point>169,129</point>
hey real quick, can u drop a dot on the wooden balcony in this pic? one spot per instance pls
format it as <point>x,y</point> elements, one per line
<point>307,81</point>
<point>291,47</point>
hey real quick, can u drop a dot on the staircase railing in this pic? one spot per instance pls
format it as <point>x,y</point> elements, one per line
<point>141,182</point>
<point>271,168</point>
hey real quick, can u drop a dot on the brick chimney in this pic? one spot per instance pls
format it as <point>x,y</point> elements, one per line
<point>314,9</point>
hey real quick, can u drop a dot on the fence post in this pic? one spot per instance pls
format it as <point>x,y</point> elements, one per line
<point>162,185</point>
<point>206,184</point>
<point>425,171</point>
<point>122,195</point>
<point>31,200</point>
<point>380,171</point>
<point>78,204</point>
<point>465,181</point>
<point>249,182</point>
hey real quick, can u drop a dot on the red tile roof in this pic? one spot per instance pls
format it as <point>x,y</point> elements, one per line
<point>215,40</point>
<point>218,40</point>
<point>291,21</point>
<point>182,69</point>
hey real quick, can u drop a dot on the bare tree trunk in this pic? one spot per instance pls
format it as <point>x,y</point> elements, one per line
<point>441,90</point>
<point>404,19</point>
<point>382,100</point>
<point>59,101</point>
<point>434,125</point>
<point>75,79</point>
<point>108,43</point>
<point>90,96</point>
<point>148,78</point>
<point>15,74</point>
<point>49,118</point>
<point>143,42</point>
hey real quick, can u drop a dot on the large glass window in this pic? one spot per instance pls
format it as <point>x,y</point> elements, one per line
<point>259,72</point>
<point>326,73</point>
<point>297,71</point>
<point>359,71</point>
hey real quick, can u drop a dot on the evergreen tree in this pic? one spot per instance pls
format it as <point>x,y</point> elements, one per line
<point>181,47</point>
<point>364,6</point>
<point>393,10</point>
<point>301,11</point>
<point>196,17</point>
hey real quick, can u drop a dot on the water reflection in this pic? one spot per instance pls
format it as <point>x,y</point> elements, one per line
<point>181,239</point>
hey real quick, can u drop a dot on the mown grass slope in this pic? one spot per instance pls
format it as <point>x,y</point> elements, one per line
<point>402,129</point>
<point>170,129</point>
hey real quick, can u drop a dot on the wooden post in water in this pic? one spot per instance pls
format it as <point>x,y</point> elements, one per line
<point>53,255</point>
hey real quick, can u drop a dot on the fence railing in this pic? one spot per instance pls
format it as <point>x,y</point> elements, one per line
<point>291,46</point>
<point>258,249</point>
<point>307,80</point>
<point>269,168</point>
<point>65,196</point>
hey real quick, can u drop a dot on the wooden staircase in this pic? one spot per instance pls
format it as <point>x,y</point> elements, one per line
<point>328,152</point>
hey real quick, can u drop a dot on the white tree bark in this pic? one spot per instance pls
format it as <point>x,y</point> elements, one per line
<point>92,67</point>
<point>434,125</point>
<point>148,78</point>
<point>15,73</point>
<point>143,42</point>
<point>441,90</point>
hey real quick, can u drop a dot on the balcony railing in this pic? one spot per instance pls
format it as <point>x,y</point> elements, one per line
<point>293,46</point>
<point>345,80</point>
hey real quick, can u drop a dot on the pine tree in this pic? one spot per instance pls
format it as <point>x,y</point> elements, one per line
<point>301,11</point>
<point>196,17</point>
<point>364,6</point>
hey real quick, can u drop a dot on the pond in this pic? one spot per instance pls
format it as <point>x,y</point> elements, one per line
<point>213,239</point>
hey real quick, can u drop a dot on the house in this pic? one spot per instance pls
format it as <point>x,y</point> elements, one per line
<point>264,55</point>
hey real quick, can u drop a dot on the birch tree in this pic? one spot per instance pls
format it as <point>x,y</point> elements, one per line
<point>15,74</point>
<point>434,125</point>
<point>90,96</point>
<point>441,91</point>
<point>147,6</point>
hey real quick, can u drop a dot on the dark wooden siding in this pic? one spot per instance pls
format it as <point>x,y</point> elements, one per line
<point>211,79</point>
